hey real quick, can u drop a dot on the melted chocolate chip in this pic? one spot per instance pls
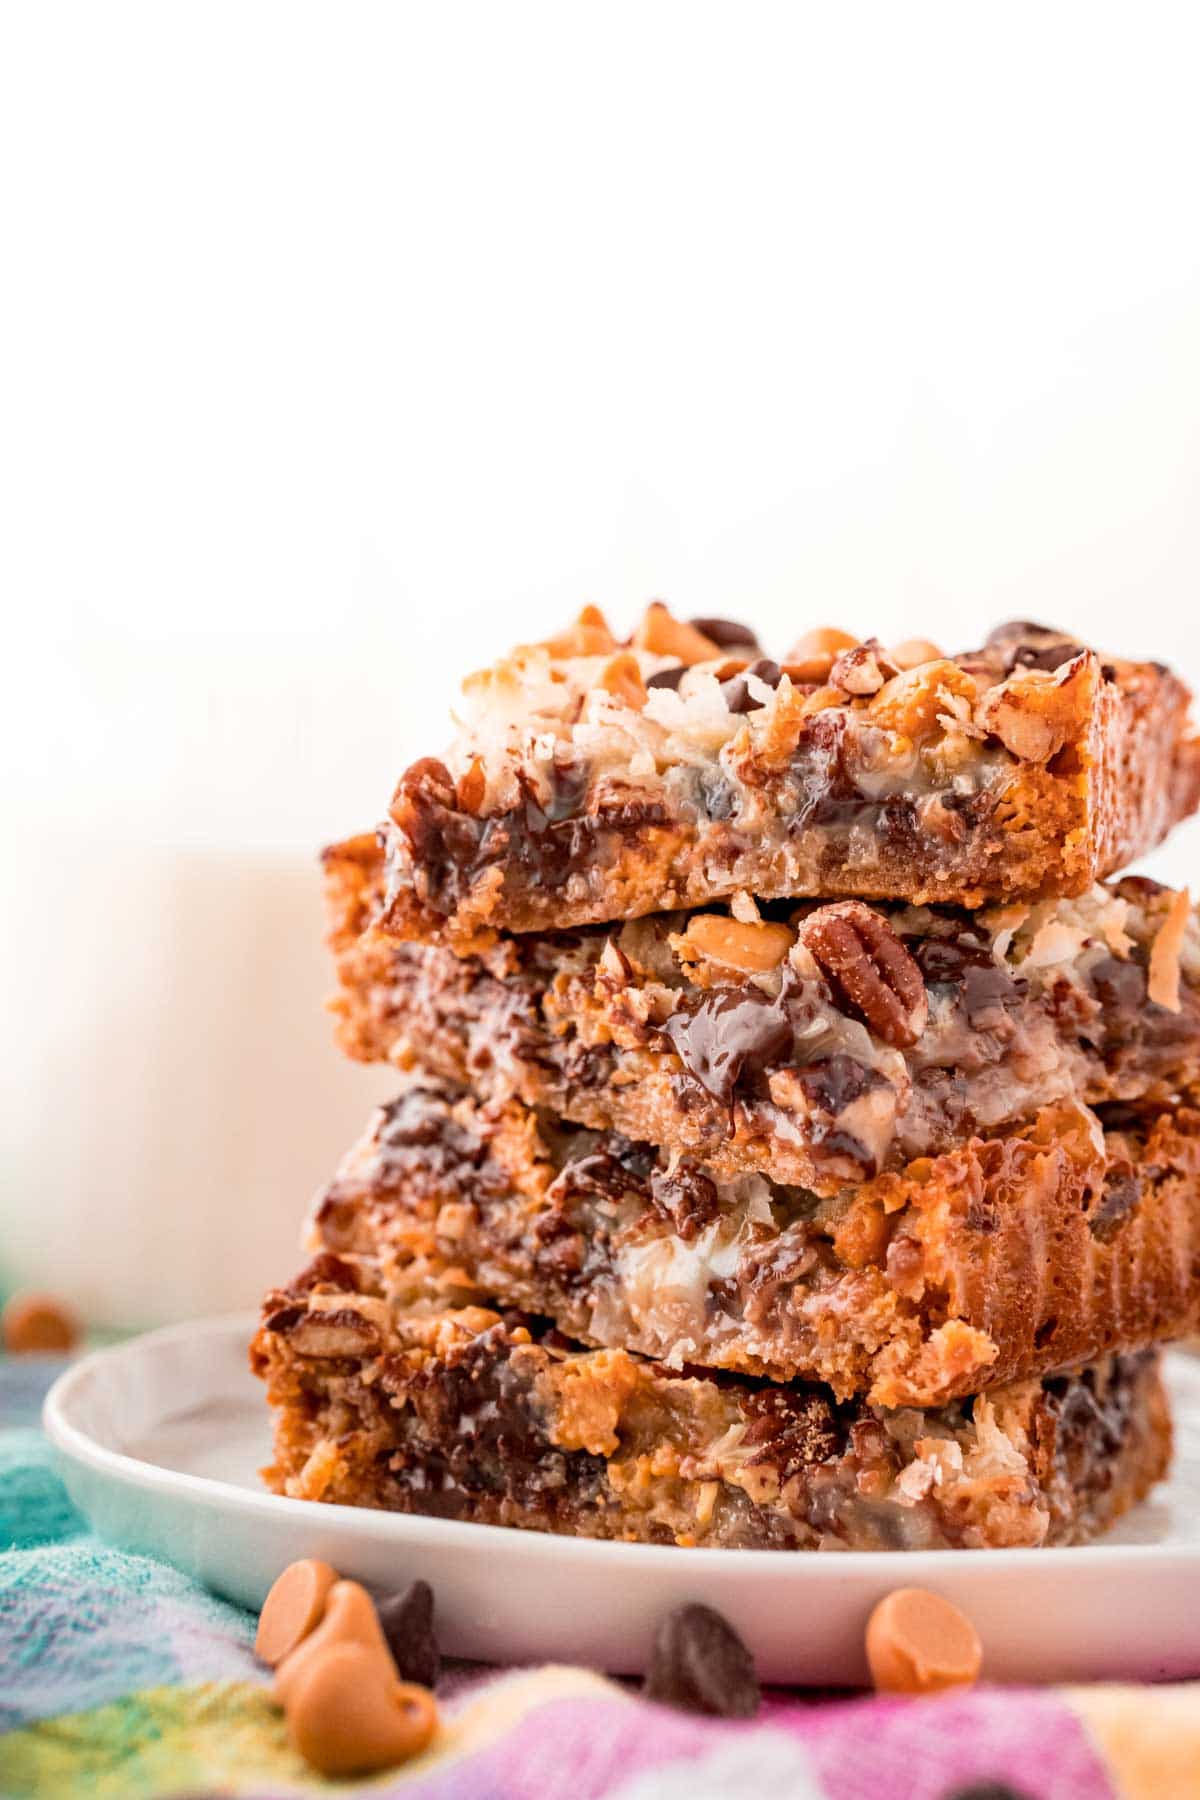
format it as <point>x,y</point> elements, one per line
<point>1120,1196</point>
<point>738,697</point>
<point>833,1083</point>
<point>700,1664</point>
<point>946,959</point>
<point>686,1198</point>
<point>965,962</point>
<point>478,1431</point>
<point>725,632</point>
<point>1120,989</point>
<point>794,1427</point>
<point>612,1170</point>
<point>1041,656</point>
<point>728,1034</point>
<point>716,796</point>
<point>667,678</point>
<point>407,1621</point>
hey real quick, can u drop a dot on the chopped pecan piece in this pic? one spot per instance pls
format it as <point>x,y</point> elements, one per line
<point>864,961</point>
<point>862,670</point>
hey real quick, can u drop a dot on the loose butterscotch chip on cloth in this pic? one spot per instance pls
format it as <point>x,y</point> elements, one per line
<point>919,1643</point>
<point>348,1715</point>
<point>293,1608</point>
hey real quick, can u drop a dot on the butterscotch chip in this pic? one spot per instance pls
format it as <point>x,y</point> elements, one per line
<point>918,1643</point>
<point>294,1607</point>
<point>349,1618</point>
<point>348,1715</point>
<point>622,678</point>
<point>664,635</point>
<point>752,948</point>
<point>38,1323</point>
<point>914,652</point>
<point>812,656</point>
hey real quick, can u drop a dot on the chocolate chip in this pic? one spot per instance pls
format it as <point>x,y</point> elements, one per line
<point>667,678</point>
<point>1120,1196</point>
<point>716,795</point>
<point>728,1033</point>
<point>686,1198</point>
<point>407,1621</point>
<point>738,697</point>
<point>1020,628</point>
<point>725,632</point>
<point>1046,657</point>
<point>986,1790</point>
<point>700,1664</point>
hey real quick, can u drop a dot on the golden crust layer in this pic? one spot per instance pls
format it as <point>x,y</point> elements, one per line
<point>469,1415</point>
<point>1001,1260</point>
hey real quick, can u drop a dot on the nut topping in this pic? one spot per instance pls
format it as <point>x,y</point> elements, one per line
<point>868,967</point>
<point>1034,713</point>
<point>751,948</point>
<point>863,669</point>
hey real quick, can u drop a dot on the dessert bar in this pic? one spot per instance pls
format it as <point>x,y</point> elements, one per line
<point>819,1047</point>
<point>471,1414</point>
<point>592,780</point>
<point>1004,1258</point>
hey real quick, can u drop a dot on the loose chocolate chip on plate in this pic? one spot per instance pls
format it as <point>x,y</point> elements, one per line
<point>700,1664</point>
<point>407,1620</point>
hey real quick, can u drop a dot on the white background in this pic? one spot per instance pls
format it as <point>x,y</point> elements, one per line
<point>343,346</point>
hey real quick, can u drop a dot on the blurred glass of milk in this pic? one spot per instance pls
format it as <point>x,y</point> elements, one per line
<point>172,1093</point>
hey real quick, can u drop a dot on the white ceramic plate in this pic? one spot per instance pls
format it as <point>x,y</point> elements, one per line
<point>161,1438</point>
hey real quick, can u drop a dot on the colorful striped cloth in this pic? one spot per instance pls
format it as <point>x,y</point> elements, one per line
<point>118,1676</point>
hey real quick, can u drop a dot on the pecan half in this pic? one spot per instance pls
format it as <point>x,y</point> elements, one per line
<point>869,969</point>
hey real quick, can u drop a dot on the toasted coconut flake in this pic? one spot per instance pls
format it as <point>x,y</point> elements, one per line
<point>1163,986</point>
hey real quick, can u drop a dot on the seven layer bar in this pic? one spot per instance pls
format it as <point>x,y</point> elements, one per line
<point>943,1162</point>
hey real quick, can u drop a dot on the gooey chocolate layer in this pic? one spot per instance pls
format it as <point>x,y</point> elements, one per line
<point>780,1070</point>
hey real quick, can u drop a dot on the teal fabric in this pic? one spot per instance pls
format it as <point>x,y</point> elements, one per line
<point>80,1623</point>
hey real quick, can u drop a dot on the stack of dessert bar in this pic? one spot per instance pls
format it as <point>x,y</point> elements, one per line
<point>799,1138</point>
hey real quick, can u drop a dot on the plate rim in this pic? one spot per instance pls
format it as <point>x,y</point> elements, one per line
<point>72,1442</point>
